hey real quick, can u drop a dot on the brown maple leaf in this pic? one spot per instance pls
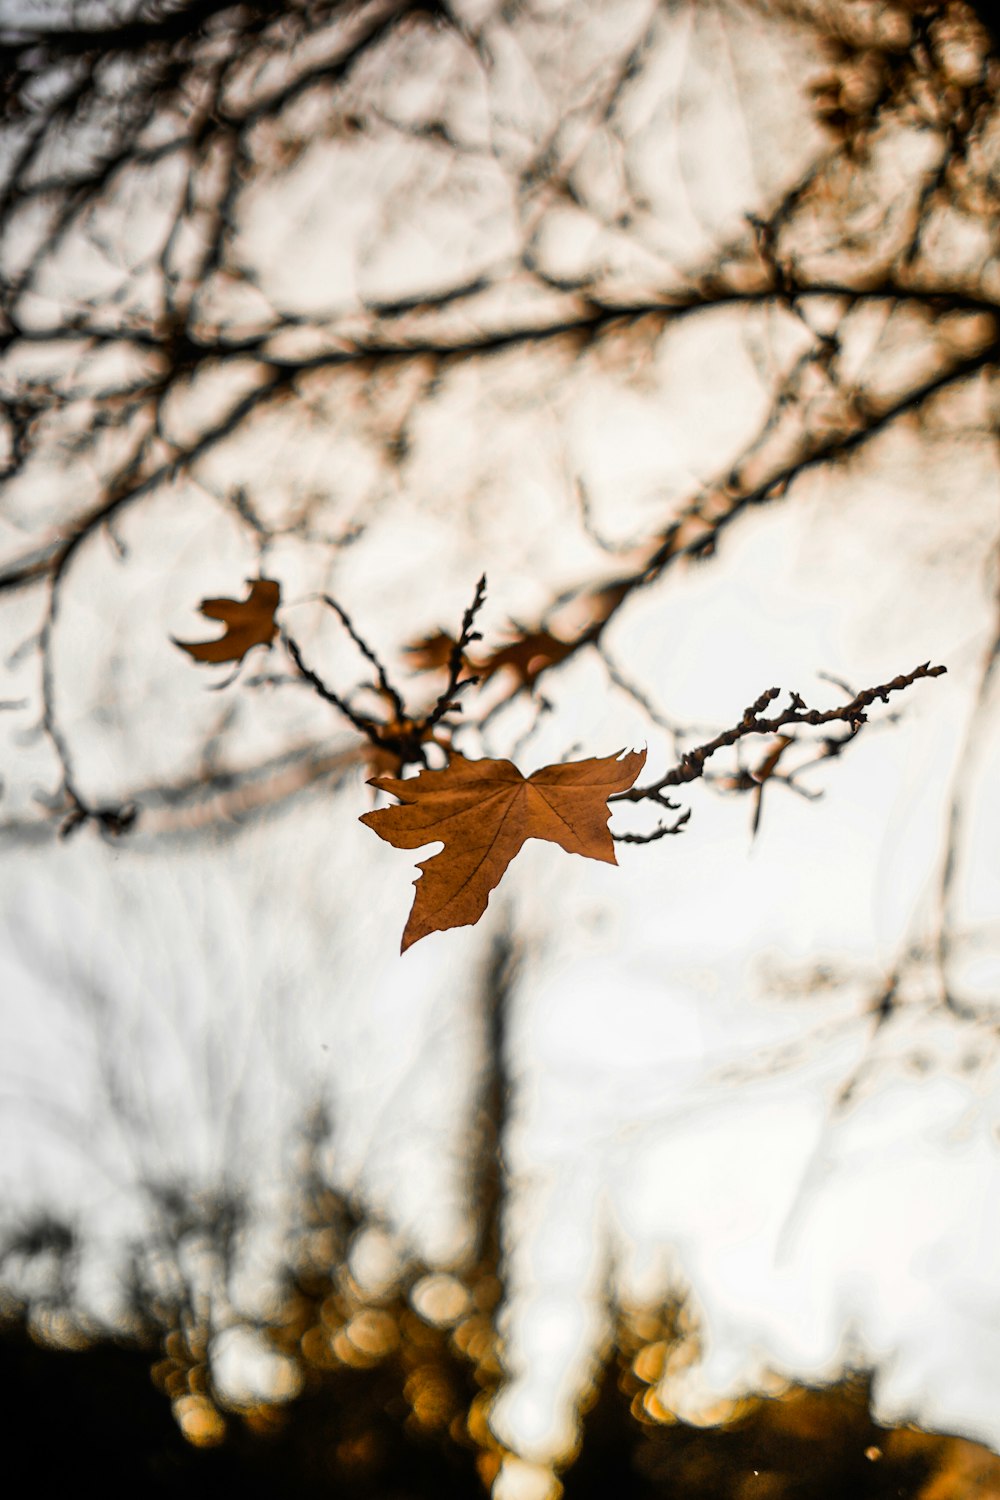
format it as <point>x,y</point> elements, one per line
<point>249,622</point>
<point>527,655</point>
<point>432,652</point>
<point>483,811</point>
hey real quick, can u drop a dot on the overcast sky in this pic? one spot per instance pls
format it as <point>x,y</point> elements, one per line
<point>703,1097</point>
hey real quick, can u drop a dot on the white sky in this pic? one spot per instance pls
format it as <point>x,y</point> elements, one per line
<point>172,1006</point>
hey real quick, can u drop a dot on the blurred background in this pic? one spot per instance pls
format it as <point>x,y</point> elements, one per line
<point>679,322</point>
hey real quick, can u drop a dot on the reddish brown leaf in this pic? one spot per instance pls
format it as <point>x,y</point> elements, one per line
<point>526,656</point>
<point>769,764</point>
<point>249,622</point>
<point>483,811</point>
<point>432,652</point>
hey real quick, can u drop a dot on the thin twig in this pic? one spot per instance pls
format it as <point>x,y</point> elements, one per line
<point>446,703</point>
<point>363,725</point>
<point>692,765</point>
<point>369,655</point>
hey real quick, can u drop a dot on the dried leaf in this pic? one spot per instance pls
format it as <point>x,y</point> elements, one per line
<point>530,653</point>
<point>769,764</point>
<point>249,622</point>
<point>483,811</point>
<point>432,652</point>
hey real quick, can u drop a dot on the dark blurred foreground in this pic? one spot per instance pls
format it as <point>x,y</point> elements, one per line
<point>388,1396</point>
<point>96,1415</point>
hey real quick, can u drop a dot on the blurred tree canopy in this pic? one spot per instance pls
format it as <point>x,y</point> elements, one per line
<point>287,288</point>
<point>366,298</point>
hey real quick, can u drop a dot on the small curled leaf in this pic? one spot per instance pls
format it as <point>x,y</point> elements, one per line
<point>249,622</point>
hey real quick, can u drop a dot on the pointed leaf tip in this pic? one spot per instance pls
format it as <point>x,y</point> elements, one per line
<point>483,812</point>
<point>249,622</point>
